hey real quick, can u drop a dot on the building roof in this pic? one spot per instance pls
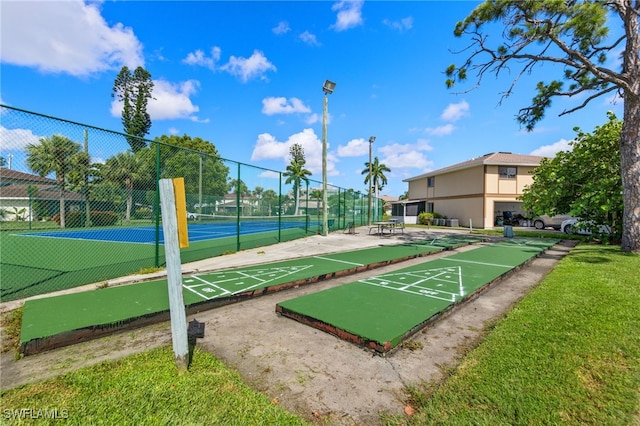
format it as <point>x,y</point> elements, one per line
<point>42,192</point>
<point>8,176</point>
<point>15,185</point>
<point>492,159</point>
<point>388,198</point>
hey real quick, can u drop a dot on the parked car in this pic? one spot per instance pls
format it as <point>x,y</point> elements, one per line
<point>575,226</point>
<point>192,216</point>
<point>555,222</point>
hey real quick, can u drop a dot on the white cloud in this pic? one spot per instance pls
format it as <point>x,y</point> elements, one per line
<point>553,149</point>
<point>66,37</point>
<point>354,148</point>
<point>16,139</point>
<point>614,99</point>
<point>454,112</point>
<point>281,28</point>
<point>349,14</point>
<point>269,174</point>
<point>199,58</point>
<point>400,156</point>
<point>315,118</point>
<point>447,129</point>
<point>256,65</point>
<point>267,147</point>
<point>171,101</point>
<point>281,105</point>
<point>401,25</point>
<point>309,39</point>
<point>404,160</point>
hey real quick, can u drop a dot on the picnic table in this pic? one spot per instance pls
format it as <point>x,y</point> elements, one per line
<point>390,225</point>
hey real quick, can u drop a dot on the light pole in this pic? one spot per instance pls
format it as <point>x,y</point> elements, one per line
<point>371,140</point>
<point>327,88</point>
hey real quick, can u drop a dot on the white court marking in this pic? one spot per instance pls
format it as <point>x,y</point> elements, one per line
<point>479,263</point>
<point>338,260</point>
<point>437,283</point>
<point>220,284</point>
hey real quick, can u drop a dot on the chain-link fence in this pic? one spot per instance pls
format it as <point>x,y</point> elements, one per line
<point>79,206</point>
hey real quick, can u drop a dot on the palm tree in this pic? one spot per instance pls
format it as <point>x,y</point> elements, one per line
<point>55,154</point>
<point>317,194</point>
<point>296,173</point>
<point>124,170</point>
<point>239,187</point>
<point>378,179</point>
<point>257,195</point>
<point>270,197</point>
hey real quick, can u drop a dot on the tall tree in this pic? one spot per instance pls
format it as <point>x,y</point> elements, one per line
<point>238,187</point>
<point>270,198</point>
<point>123,169</point>
<point>56,154</point>
<point>134,91</point>
<point>257,196</point>
<point>575,35</point>
<point>195,159</point>
<point>584,181</point>
<point>378,178</point>
<point>296,172</point>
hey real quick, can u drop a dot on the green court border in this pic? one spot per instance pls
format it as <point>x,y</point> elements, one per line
<point>55,264</point>
<point>61,320</point>
<point>381,318</point>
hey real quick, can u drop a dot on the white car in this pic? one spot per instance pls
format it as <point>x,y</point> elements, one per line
<point>555,222</point>
<point>192,216</point>
<point>574,226</point>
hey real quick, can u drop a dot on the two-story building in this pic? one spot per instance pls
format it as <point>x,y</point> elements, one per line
<point>475,192</point>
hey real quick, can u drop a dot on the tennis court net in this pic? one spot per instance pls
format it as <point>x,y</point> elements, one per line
<point>259,222</point>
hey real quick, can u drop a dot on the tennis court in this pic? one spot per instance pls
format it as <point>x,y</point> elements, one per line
<point>57,321</point>
<point>64,259</point>
<point>382,311</point>
<point>202,228</point>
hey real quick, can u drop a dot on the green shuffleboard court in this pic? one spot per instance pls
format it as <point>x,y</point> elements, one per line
<point>381,311</point>
<point>61,320</point>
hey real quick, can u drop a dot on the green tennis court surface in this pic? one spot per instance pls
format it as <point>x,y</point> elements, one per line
<point>57,321</point>
<point>381,311</point>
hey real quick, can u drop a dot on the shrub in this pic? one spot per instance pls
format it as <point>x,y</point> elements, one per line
<point>77,219</point>
<point>104,218</point>
<point>425,218</point>
<point>142,213</point>
<point>71,219</point>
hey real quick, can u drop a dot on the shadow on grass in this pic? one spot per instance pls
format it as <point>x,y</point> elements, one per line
<point>596,254</point>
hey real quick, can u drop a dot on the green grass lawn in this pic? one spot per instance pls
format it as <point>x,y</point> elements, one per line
<point>568,353</point>
<point>145,389</point>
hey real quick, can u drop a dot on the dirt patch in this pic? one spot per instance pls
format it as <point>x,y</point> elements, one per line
<point>311,373</point>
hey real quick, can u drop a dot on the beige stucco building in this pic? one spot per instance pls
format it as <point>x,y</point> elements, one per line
<point>475,192</point>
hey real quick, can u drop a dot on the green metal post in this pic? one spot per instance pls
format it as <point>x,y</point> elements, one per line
<point>157,205</point>
<point>280,207</point>
<point>238,185</point>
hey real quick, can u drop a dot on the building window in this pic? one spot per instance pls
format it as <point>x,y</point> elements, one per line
<point>414,209</point>
<point>431,181</point>
<point>507,172</point>
<point>430,207</point>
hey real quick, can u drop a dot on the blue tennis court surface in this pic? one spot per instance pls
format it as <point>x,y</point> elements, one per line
<point>196,231</point>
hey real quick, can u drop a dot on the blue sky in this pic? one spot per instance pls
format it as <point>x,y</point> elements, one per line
<point>248,76</point>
